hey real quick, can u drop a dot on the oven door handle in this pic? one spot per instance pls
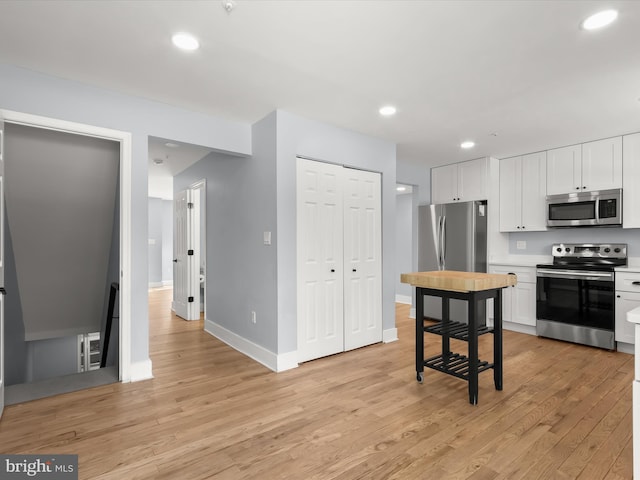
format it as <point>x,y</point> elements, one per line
<point>575,275</point>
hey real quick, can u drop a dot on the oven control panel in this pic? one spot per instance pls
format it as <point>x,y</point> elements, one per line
<point>589,250</point>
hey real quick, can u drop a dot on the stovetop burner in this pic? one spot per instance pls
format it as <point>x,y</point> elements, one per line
<point>588,256</point>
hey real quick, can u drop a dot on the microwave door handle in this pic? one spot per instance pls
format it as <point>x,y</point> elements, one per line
<point>597,207</point>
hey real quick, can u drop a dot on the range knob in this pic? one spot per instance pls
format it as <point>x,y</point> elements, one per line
<point>607,250</point>
<point>567,249</point>
<point>558,249</point>
<point>617,250</point>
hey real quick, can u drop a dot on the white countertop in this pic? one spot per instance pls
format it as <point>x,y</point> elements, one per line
<point>634,315</point>
<point>632,267</point>
<point>521,260</point>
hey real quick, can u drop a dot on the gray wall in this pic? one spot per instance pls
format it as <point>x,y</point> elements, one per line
<point>155,241</point>
<point>245,198</point>
<point>539,243</point>
<point>160,242</point>
<point>63,200</point>
<point>241,271</point>
<point>420,177</point>
<point>297,136</point>
<point>31,92</point>
<point>404,241</point>
<point>54,357</point>
<point>60,204</point>
<point>167,242</point>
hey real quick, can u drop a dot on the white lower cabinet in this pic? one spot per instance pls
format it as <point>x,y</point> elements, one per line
<point>627,298</point>
<point>518,301</point>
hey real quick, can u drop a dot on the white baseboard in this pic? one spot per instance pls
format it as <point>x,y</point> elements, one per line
<point>155,284</point>
<point>287,361</point>
<point>141,371</point>
<point>277,363</point>
<point>390,335</point>
<point>625,347</point>
<point>412,313</point>
<point>167,283</point>
<point>405,299</point>
<point>518,327</point>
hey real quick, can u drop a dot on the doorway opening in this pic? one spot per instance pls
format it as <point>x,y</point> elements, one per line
<point>59,352</point>
<point>177,230</point>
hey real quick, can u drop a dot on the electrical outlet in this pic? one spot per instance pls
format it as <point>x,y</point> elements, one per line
<point>253,316</point>
<point>521,245</point>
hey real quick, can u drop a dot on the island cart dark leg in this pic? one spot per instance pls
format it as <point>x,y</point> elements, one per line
<point>446,344</point>
<point>473,349</point>
<point>497,339</point>
<point>419,334</point>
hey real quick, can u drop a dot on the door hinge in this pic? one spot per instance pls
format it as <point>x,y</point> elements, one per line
<point>189,252</point>
<point>190,205</point>
<point>190,299</point>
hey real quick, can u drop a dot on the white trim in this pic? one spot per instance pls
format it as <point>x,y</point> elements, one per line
<point>287,361</point>
<point>156,284</point>
<point>124,138</point>
<point>412,312</point>
<point>404,299</point>
<point>141,371</point>
<point>200,188</point>
<point>390,335</point>
<point>272,361</point>
<point>167,283</point>
<point>518,327</point>
<point>625,347</point>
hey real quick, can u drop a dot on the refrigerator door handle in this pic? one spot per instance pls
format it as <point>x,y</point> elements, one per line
<point>439,243</point>
<point>443,240</point>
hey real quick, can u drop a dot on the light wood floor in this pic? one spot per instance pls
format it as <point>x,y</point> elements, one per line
<point>210,412</point>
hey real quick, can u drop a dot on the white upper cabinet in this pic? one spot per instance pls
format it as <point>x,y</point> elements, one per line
<point>587,167</point>
<point>631,181</point>
<point>460,182</point>
<point>564,170</point>
<point>602,164</point>
<point>444,184</point>
<point>523,188</point>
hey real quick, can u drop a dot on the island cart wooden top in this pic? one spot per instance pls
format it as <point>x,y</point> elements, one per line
<point>458,281</point>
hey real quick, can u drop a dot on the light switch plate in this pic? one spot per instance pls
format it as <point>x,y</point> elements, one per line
<point>267,238</point>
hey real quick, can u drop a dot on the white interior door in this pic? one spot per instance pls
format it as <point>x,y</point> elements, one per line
<point>2,292</point>
<point>320,259</point>
<point>186,263</point>
<point>362,259</point>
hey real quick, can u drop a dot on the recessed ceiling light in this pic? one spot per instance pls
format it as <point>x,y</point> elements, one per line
<point>600,19</point>
<point>401,189</point>
<point>171,145</point>
<point>467,144</point>
<point>185,41</point>
<point>387,111</point>
<point>158,161</point>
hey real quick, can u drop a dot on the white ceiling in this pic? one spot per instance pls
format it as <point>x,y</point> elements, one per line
<point>515,76</point>
<point>175,157</point>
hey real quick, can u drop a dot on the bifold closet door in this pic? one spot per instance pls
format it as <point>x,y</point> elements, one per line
<point>362,259</point>
<point>320,259</point>
<point>339,259</point>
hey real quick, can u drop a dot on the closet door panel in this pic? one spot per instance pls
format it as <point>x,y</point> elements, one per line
<point>320,258</point>
<point>362,259</point>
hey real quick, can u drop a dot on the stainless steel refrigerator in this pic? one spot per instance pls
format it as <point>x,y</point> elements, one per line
<point>452,237</point>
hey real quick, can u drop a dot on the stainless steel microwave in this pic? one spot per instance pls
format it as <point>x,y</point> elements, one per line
<point>585,209</point>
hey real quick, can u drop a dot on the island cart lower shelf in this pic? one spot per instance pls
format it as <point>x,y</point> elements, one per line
<point>465,367</point>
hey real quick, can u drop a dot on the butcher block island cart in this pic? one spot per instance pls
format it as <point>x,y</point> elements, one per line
<point>472,287</point>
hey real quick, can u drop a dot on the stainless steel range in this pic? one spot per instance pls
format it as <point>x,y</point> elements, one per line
<point>575,298</point>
